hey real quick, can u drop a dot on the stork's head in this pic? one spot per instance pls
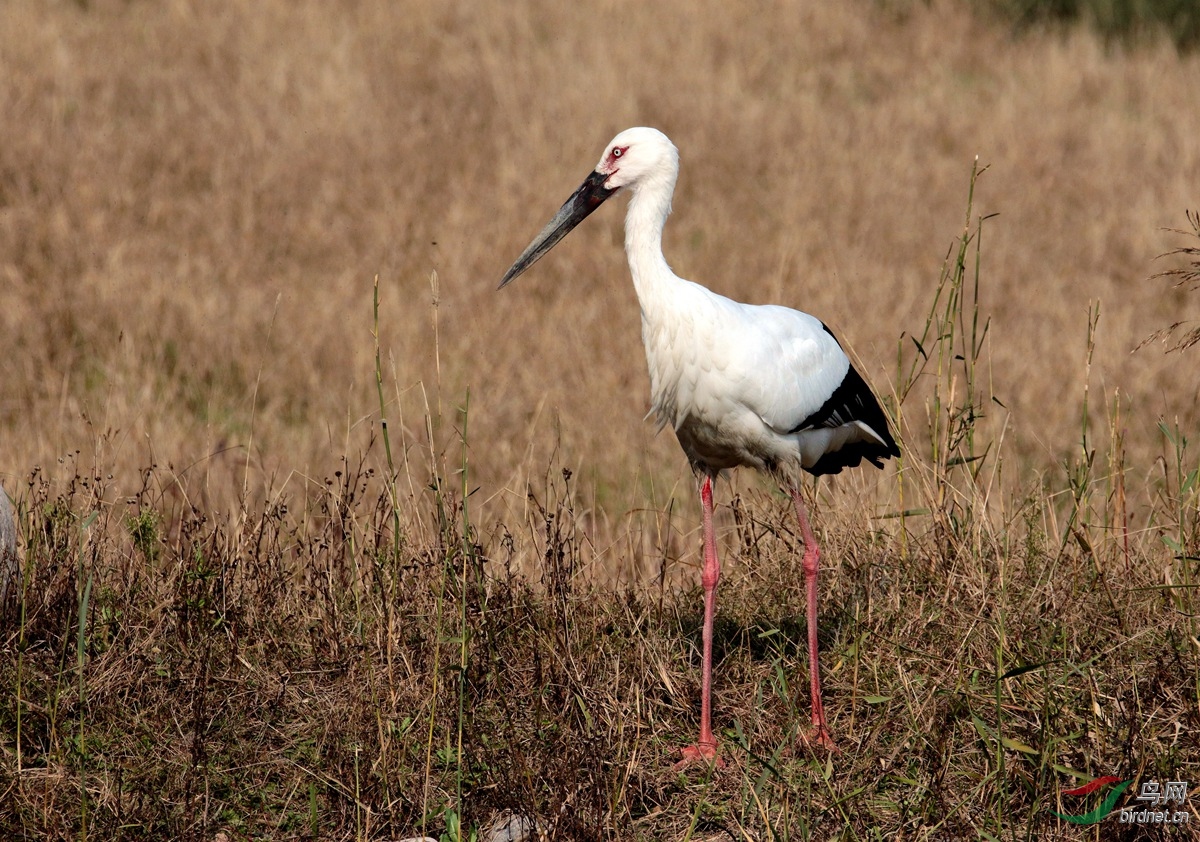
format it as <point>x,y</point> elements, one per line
<point>638,154</point>
<point>633,159</point>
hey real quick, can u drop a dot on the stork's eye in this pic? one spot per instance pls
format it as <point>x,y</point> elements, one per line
<point>617,152</point>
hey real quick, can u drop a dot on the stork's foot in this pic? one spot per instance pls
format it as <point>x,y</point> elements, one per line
<point>819,737</point>
<point>705,753</point>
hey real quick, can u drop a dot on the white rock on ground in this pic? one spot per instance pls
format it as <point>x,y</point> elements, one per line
<point>508,827</point>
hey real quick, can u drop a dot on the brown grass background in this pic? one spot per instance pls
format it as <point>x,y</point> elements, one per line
<point>195,199</point>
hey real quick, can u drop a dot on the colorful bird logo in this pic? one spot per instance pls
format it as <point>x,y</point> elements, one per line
<point>1106,807</point>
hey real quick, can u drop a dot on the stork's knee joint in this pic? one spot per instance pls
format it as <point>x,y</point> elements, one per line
<point>811,560</point>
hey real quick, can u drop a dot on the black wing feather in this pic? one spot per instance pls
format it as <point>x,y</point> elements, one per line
<point>851,401</point>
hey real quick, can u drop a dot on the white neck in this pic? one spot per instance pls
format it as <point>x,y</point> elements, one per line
<point>648,209</point>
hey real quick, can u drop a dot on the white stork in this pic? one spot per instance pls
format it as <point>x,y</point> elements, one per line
<point>767,387</point>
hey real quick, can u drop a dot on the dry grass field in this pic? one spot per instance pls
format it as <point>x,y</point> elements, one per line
<point>252,609</point>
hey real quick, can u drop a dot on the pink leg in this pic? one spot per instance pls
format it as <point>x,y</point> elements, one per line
<point>820,731</point>
<point>706,747</point>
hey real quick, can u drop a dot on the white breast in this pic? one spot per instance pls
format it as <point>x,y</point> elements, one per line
<point>735,380</point>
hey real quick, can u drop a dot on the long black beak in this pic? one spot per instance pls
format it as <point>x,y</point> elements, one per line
<point>590,195</point>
